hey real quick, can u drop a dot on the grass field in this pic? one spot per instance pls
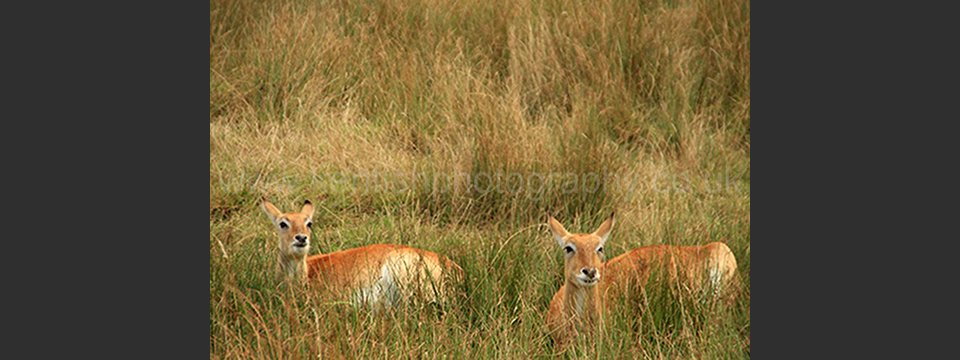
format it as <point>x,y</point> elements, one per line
<point>454,126</point>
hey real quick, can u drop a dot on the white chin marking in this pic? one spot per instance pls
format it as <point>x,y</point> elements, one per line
<point>586,283</point>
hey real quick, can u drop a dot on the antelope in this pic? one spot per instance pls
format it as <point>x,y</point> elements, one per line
<point>378,275</point>
<point>589,282</point>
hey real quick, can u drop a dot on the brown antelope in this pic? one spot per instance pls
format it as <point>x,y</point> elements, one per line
<point>378,275</point>
<point>589,283</point>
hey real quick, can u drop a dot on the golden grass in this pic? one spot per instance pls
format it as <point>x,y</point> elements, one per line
<point>394,116</point>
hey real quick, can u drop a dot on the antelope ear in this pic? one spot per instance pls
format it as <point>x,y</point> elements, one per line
<point>307,209</point>
<point>604,230</point>
<point>558,231</point>
<point>271,210</point>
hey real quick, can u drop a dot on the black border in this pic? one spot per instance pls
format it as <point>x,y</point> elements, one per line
<point>108,142</point>
<point>848,140</point>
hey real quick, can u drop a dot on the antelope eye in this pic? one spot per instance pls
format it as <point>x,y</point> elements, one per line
<point>569,249</point>
<point>283,225</point>
<point>600,250</point>
<point>309,224</point>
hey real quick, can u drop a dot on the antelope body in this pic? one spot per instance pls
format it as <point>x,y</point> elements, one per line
<point>710,268</point>
<point>589,283</point>
<point>379,275</point>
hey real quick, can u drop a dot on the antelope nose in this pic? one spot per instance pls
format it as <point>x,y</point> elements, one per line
<point>301,238</point>
<point>590,273</point>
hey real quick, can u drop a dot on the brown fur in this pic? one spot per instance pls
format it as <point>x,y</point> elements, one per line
<point>691,264</point>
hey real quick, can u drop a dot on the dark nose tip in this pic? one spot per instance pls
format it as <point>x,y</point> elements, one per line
<point>590,273</point>
<point>301,238</point>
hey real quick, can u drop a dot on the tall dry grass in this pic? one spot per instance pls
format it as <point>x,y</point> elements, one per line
<point>454,126</point>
